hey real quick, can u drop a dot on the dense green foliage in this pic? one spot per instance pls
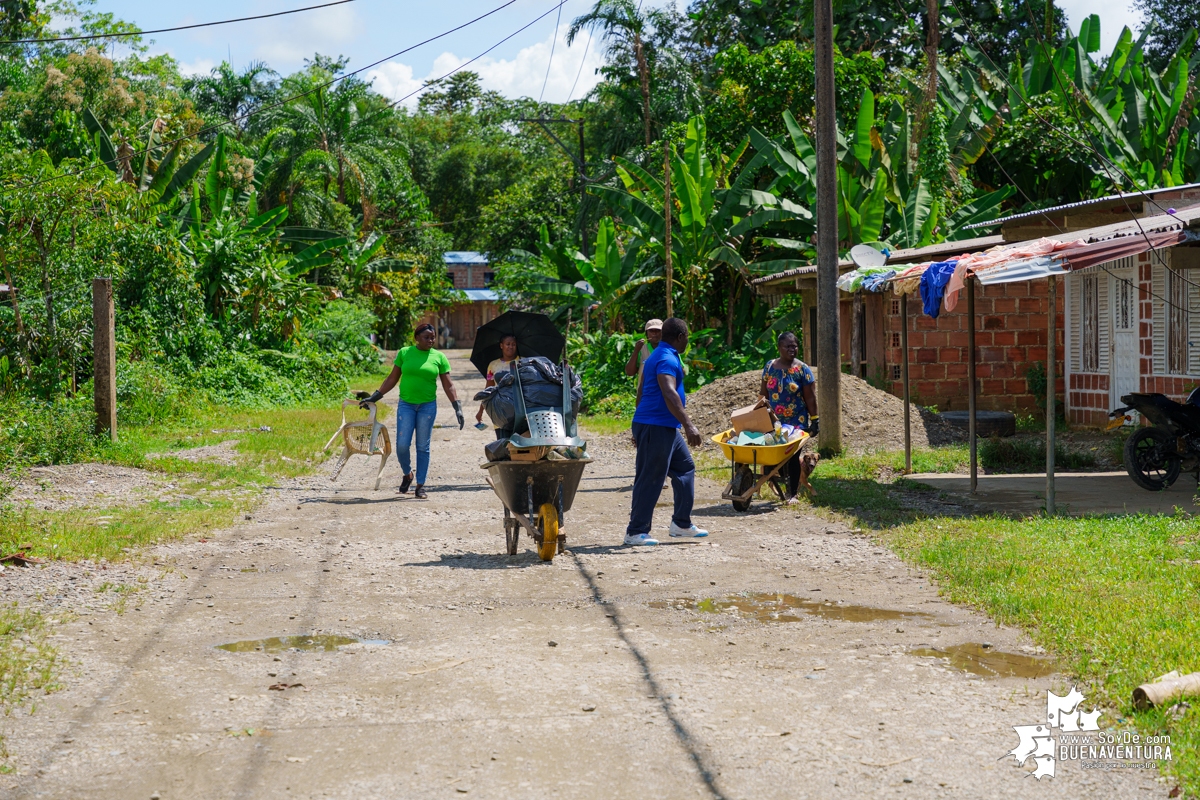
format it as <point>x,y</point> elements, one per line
<point>260,227</point>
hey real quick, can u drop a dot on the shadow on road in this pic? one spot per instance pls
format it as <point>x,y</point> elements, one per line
<point>681,733</point>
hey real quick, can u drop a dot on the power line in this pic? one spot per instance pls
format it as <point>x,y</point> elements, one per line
<point>550,63</point>
<point>462,66</point>
<point>582,62</point>
<point>127,34</point>
<point>281,103</point>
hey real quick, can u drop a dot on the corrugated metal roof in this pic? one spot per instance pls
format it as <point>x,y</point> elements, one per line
<point>464,257</point>
<point>481,295</point>
<point>1182,219</point>
<point>1082,204</point>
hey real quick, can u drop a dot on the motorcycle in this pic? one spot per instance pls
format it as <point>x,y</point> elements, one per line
<point>1156,455</point>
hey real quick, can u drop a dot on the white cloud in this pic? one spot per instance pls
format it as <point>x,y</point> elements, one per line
<point>395,80</point>
<point>323,32</point>
<point>201,66</point>
<point>522,76</point>
<point>1114,15</point>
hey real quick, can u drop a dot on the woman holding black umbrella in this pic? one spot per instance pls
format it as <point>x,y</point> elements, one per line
<point>418,369</point>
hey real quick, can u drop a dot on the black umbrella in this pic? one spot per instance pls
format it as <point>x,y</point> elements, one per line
<point>536,336</point>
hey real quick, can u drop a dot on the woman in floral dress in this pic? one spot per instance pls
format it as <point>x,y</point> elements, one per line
<point>788,390</point>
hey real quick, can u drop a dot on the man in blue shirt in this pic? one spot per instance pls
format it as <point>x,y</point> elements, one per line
<point>661,451</point>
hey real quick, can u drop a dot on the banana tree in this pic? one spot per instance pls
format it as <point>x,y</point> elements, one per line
<point>232,245</point>
<point>601,282</point>
<point>881,196</point>
<point>164,177</point>
<point>1140,124</point>
<point>714,218</point>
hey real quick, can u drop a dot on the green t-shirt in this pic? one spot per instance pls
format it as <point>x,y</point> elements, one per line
<point>419,371</point>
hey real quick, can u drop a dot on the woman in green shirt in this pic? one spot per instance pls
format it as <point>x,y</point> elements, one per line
<point>418,369</point>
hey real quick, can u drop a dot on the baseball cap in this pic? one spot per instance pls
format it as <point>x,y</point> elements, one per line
<point>654,325</point>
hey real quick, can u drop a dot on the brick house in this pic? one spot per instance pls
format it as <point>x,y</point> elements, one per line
<point>1012,318</point>
<point>470,272</point>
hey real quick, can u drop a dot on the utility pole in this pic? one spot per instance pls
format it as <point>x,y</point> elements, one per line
<point>104,357</point>
<point>829,357</point>
<point>580,161</point>
<point>667,209</point>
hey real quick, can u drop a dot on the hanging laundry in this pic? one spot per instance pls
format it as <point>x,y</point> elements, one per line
<point>877,282</point>
<point>852,281</point>
<point>933,285</point>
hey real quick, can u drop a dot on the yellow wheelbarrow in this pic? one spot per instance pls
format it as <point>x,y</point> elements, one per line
<point>753,465</point>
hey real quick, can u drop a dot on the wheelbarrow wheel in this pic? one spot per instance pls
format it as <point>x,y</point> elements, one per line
<point>743,479</point>
<point>548,527</point>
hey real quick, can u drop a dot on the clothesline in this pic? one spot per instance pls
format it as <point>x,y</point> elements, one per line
<point>940,283</point>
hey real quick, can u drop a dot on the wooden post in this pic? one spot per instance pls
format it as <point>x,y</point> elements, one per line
<point>829,387</point>
<point>904,377</point>
<point>1051,380</point>
<point>667,209</point>
<point>971,387</point>
<point>856,338</point>
<point>104,357</point>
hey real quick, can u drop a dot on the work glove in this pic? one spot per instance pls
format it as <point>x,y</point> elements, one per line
<point>458,412</point>
<point>373,398</point>
<point>814,426</point>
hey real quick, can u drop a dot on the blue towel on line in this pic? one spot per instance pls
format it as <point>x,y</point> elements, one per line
<point>933,285</point>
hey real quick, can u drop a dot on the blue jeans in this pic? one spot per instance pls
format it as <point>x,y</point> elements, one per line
<point>661,452</point>
<point>416,417</point>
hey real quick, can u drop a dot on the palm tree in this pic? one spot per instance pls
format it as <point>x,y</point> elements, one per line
<point>624,26</point>
<point>332,138</point>
<point>233,95</point>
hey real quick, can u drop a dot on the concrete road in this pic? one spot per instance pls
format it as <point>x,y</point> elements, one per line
<point>1075,493</point>
<point>774,660</point>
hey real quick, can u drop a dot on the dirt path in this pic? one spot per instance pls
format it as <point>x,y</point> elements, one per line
<point>508,678</point>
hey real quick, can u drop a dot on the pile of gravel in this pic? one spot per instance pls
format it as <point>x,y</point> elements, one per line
<point>872,419</point>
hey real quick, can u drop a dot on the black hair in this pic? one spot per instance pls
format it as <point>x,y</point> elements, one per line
<point>673,328</point>
<point>787,335</point>
<point>512,336</point>
<point>424,326</point>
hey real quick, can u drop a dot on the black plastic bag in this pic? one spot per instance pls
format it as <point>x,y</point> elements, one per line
<point>542,382</point>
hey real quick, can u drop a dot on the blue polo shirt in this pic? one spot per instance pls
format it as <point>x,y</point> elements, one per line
<point>653,408</point>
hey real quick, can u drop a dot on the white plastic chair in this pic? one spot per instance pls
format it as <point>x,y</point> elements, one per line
<point>361,438</point>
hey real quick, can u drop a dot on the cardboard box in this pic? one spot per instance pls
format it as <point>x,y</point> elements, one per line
<point>755,420</point>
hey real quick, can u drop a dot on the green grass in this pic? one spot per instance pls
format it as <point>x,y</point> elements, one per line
<point>209,495</point>
<point>603,424</point>
<point>28,664</point>
<point>1115,599</point>
<point>1029,455</point>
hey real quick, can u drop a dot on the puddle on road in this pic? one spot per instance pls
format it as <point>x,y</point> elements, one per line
<point>988,662</point>
<point>327,642</point>
<point>770,607</point>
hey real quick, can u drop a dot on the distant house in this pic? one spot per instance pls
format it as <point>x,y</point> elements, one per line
<point>472,273</point>
<point>1129,324</point>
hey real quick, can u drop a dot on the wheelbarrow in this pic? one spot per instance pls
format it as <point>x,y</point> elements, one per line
<point>536,494</point>
<point>536,491</point>
<point>753,466</point>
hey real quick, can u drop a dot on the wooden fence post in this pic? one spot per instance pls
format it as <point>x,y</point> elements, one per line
<point>104,356</point>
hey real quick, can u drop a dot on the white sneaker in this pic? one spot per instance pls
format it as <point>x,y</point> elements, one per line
<point>688,533</point>
<point>641,539</point>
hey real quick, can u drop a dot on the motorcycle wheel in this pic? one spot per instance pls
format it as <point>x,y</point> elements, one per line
<point>1149,460</point>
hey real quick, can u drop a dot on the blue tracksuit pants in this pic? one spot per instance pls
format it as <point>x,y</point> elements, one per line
<point>661,452</point>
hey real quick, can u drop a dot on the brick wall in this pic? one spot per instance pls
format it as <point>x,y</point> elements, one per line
<point>1010,335</point>
<point>1089,399</point>
<point>470,276</point>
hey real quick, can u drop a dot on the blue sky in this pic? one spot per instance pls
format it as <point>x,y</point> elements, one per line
<point>368,30</point>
